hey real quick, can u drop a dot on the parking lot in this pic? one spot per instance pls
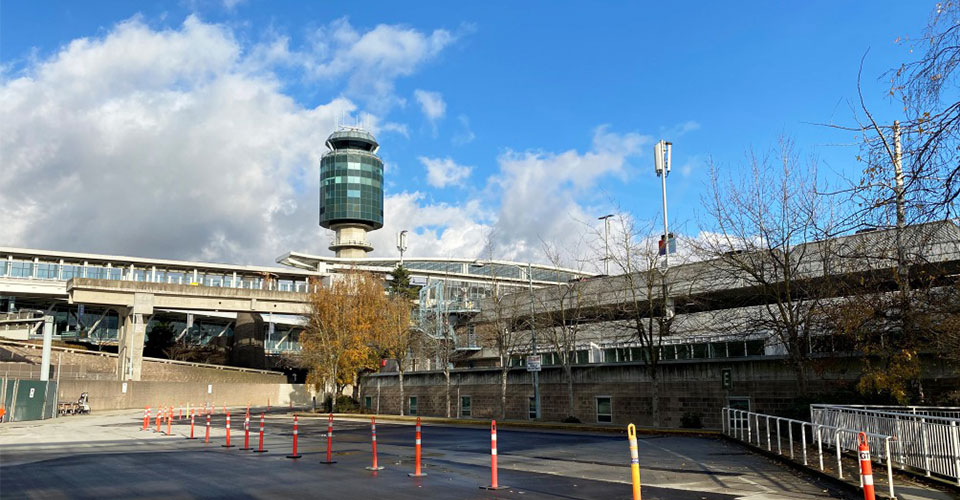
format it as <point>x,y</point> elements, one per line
<point>108,456</point>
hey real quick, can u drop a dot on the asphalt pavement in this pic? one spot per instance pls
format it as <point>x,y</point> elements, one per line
<point>109,456</point>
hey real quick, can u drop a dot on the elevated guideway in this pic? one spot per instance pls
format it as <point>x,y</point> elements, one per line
<point>135,301</point>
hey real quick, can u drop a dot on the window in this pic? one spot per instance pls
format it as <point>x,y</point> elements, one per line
<point>69,272</point>
<point>717,350</point>
<point>699,351</point>
<point>755,347</point>
<point>46,271</point>
<point>465,406</point>
<point>604,409</point>
<point>368,402</point>
<point>3,268</point>
<point>412,406</point>
<point>20,269</point>
<point>533,408</point>
<point>609,355</point>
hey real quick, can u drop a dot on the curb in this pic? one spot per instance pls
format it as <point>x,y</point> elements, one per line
<point>520,424</point>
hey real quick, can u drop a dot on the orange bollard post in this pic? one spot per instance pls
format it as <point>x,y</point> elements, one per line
<point>329,459</point>
<point>159,413</point>
<point>416,469</point>
<point>206,438</point>
<point>260,448</point>
<point>191,426</point>
<point>180,412</point>
<point>295,455</point>
<point>373,444</point>
<point>494,484</point>
<point>169,419</point>
<point>146,418</point>
<point>634,461</point>
<point>866,468</point>
<point>228,445</point>
<point>246,432</point>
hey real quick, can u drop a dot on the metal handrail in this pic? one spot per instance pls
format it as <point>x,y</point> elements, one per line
<point>926,443</point>
<point>745,425</point>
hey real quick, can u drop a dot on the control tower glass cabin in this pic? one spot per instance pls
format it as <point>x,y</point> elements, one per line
<point>351,190</point>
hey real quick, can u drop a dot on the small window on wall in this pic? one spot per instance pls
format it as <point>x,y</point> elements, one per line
<point>465,406</point>
<point>604,409</point>
<point>412,406</point>
<point>368,402</point>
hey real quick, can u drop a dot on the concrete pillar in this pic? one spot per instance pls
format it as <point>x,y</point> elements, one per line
<point>132,337</point>
<point>47,343</point>
<point>248,341</point>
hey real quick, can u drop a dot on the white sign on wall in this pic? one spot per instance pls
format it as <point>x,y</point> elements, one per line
<point>123,387</point>
<point>32,391</point>
<point>209,388</point>
<point>533,363</point>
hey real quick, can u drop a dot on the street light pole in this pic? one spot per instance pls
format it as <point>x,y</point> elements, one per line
<point>402,244</point>
<point>533,330</point>
<point>606,243</point>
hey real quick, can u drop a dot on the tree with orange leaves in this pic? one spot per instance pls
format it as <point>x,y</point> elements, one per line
<point>343,325</point>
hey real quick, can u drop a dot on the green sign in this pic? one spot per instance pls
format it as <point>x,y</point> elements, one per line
<point>726,378</point>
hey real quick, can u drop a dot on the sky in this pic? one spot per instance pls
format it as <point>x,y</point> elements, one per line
<point>194,129</point>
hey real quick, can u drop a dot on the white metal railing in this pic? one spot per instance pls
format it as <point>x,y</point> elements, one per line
<point>927,438</point>
<point>760,430</point>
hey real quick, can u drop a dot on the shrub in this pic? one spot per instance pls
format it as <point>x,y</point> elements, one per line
<point>691,421</point>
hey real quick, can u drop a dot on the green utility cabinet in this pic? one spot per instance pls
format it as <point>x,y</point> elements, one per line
<point>28,400</point>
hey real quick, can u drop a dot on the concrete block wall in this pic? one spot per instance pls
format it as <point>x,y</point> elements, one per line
<point>687,387</point>
<point>110,395</point>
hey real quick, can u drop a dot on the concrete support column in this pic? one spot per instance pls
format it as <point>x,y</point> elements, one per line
<point>132,337</point>
<point>47,343</point>
<point>248,341</point>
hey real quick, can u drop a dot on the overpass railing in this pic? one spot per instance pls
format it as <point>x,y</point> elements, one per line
<point>803,441</point>
<point>927,437</point>
<point>145,358</point>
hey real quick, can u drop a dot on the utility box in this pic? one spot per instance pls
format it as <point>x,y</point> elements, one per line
<point>28,400</point>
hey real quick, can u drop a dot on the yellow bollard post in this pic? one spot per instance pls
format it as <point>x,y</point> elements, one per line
<point>634,461</point>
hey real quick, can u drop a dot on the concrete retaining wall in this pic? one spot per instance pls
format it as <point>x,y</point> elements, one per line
<point>686,388</point>
<point>23,361</point>
<point>110,395</point>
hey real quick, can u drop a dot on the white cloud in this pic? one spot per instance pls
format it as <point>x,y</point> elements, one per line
<point>466,135</point>
<point>178,143</point>
<point>373,60</point>
<point>681,129</point>
<point>181,143</point>
<point>442,172</point>
<point>431,103</point>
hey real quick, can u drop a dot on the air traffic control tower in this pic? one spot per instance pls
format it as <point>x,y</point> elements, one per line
<point>351,190</point>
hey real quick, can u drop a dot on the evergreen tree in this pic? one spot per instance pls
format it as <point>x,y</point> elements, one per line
<point>399,284</point>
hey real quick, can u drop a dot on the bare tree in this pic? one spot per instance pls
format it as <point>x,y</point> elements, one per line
<point>500,328</point>
<point>563,306</point>
<point>760,233</point>
<point>642,308</point>
<point>398,336</point>
<point>434,324</point>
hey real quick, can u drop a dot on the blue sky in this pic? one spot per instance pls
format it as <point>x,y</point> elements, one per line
<point>535,117</point>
